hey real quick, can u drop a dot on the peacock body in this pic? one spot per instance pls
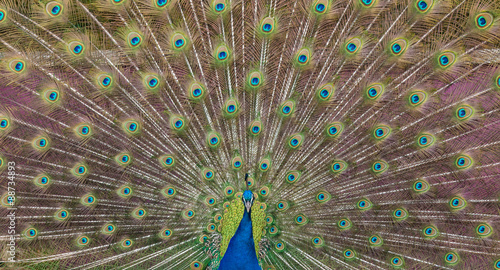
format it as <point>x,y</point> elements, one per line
<point>259,134</point>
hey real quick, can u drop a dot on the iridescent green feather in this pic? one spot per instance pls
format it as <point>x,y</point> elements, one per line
<point>258,224</point>
<point>230,222</point>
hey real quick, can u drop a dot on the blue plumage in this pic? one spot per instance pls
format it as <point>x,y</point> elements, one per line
<point>240,253</point>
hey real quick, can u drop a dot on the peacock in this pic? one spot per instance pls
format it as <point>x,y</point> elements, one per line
<point>250,134</point>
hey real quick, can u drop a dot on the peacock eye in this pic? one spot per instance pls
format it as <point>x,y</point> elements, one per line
<point>2,15</point>
<point>161,3</point>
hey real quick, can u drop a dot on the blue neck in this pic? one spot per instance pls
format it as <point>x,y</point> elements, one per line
<point>240,253</point>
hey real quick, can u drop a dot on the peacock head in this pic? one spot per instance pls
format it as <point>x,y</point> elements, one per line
<point>248,199</point>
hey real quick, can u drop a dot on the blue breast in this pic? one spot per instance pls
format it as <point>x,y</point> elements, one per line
<point>240,253</point>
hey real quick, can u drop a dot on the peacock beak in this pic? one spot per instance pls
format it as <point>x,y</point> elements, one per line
<point>248,205</point>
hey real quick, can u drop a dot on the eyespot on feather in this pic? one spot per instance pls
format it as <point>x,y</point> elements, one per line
<point>379,167</point>
<point>76,48</point>
<point>160,4</point>
<point>425,140</point>
<point>51,96</point>
<point>3,15</point>
<point>123,159</point>
<point>229,191</point>
<point>420,186</point>
<point>196,92</point>
<point>168,192</point>
<point>367,3</point>
<point>83,130</point>
<point>237,163</point>
<point>397,262</point>
<point>222,53</point>
<point>124,191</point>
<point>292,176</point>
<point>165,233</point>
<point>430,232</point>
<point>108,229</point>
<point>484,230</point>
<point>179,41</point>
<point>446,59</point>
<point>82,241</point>
<point>211,227</point>
<point>88,200</point>
<point>61,215</point>
<point>267,25</point>
<point>207,174</point>
<point>463,162</point>
<point>364,204</point>
<point>80,170</point>
<point>464,112</point>
<point>320,7</point>
<point>177,123</point>
<point>303,57</point>
<point>217,217</point>
<point>219,6</point>
<point>423,6</point>
<point>398,46</point>
<point>344,224</point>
<point>17,66</point>
<point>250,182</point>
<point>338,166</point>
<point>349,254</point>
<point>400,214</point>
<point>417,98</point>
<point>41,143</point>
<point>126,243</point>
<point>54,9</point>
<point>318,241</point>
<point>273,230</point>
<point>457,203</point>
<point>381,132</point>
<point>167,161</point>
<point>279,246</point>
<point>451,258</point>
<point>497,264</point>
<point>374,91</point>
<point>132,127</point>
<point>231,107</point>
<point>139,213</point>
<point>484,20</point>
<point>30,233</point>
<point>325,92</point>
<point>105,81</point>
<point>295,141</point>
<point>210,200</point>
<point>213,140</point>
<point>255,127</point>
<point>375,241</point>
<point>188,214</point>
<point>334,130</point>
<point>353,46</point>
<point>282,205</point>
<point>5,123</point>
<point>323,197</point>
<point>265,164</point>
<point>42,180</point>
<point>152,82</point>
<point>134,39</point>
<point>254,80</point>
<point>117,2</point>
<point>287,108</point>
